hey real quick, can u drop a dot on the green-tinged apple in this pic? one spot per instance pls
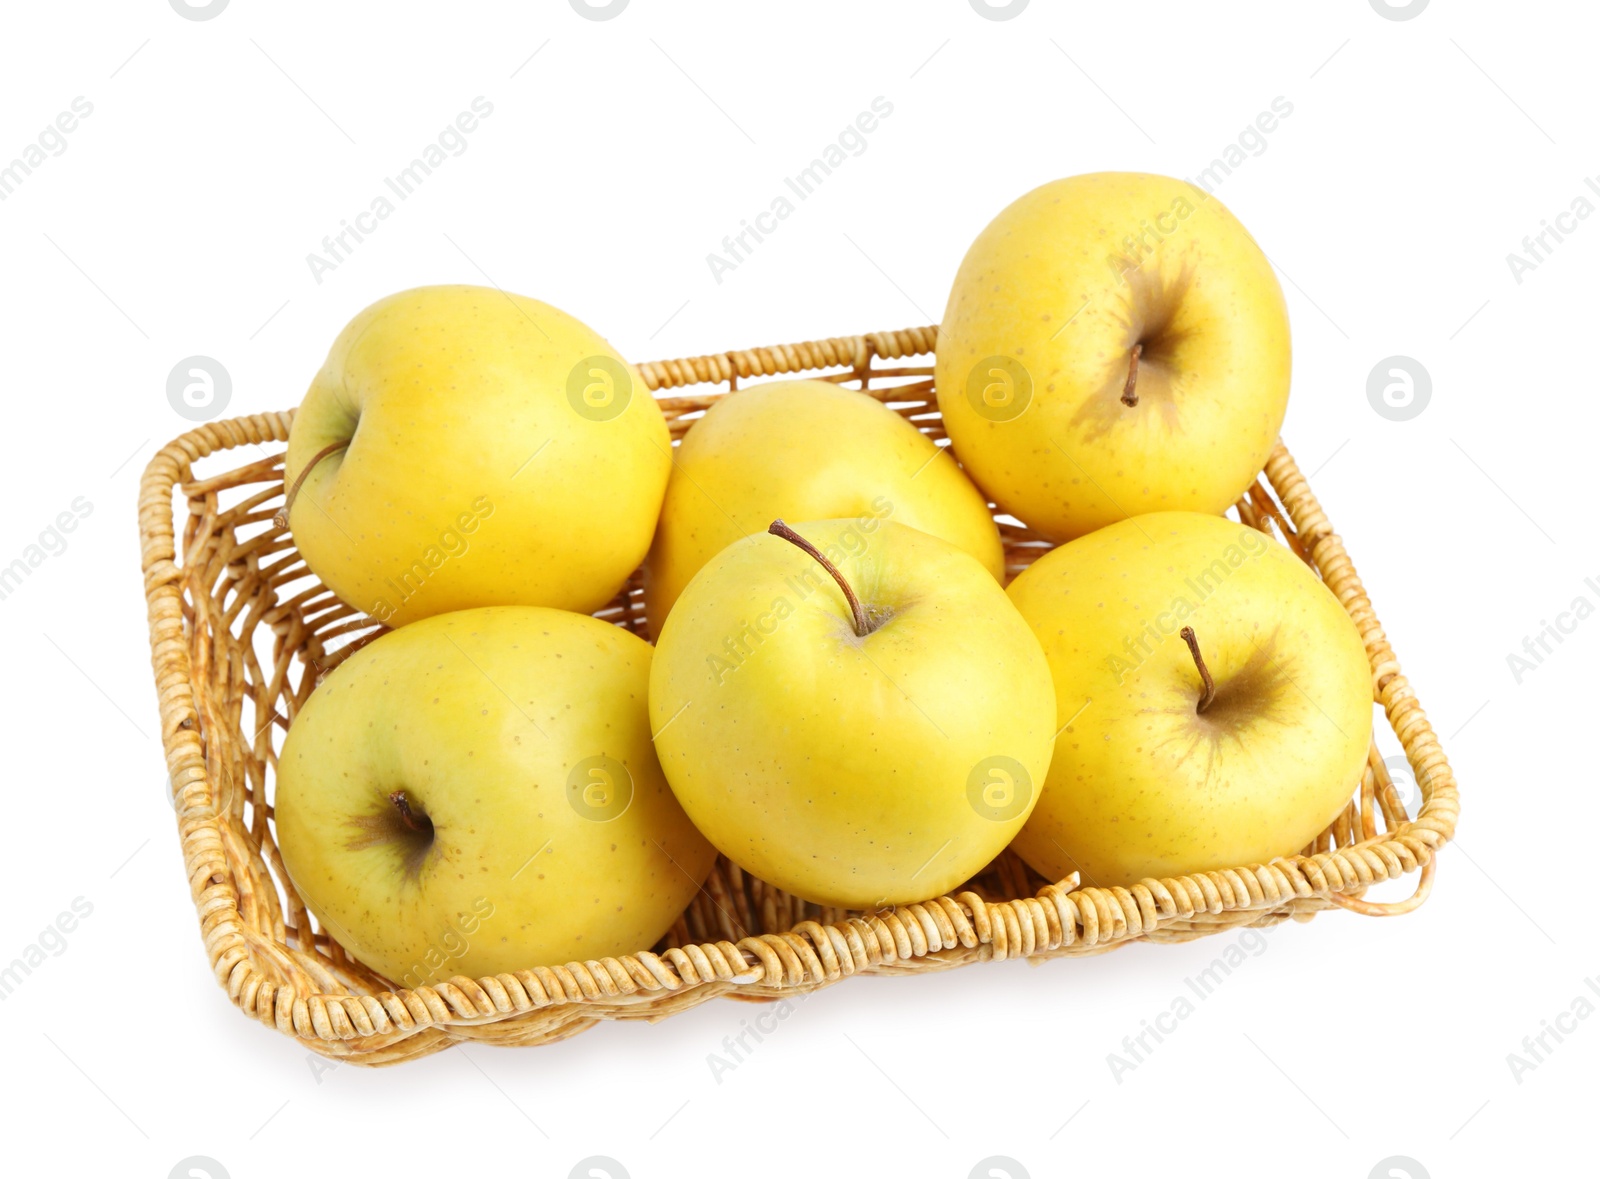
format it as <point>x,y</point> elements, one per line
<point>852,710</point>
<point>1114,344</point>
<point>1214,698</point>
<point>477,793</point>
<point>805,450</point>
<point>464,447</point>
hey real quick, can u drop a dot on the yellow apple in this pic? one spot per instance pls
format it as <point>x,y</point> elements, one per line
<point>862,729</point>
<point>1114,344</point>
<point>1151,778</point>
<point>465,447</point>
<point>805,450</point>
<point>477,793</point>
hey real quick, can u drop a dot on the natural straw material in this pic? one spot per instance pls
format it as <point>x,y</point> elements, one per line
<point>240,632</point>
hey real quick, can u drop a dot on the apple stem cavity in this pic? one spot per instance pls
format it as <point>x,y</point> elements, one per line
<point>857,614</point>
<point>413,819</point>
<point>1187,634</point>
<point>280,518</point>
<point>1130,396</point>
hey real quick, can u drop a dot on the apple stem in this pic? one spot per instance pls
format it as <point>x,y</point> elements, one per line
<point>1130,396</point>
<point>857,614</point>
<point>280,518</point>
<point>1187,634</point>
<point>417,822</point>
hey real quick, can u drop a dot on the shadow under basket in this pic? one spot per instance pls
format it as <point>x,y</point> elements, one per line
<point>240,631</point>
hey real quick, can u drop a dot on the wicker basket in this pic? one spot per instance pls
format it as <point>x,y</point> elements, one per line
<point>240,631</point>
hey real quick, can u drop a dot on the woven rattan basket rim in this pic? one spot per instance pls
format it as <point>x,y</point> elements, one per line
<point>547,1002</point>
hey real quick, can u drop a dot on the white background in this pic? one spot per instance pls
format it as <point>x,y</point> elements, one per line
<point>219,153</point>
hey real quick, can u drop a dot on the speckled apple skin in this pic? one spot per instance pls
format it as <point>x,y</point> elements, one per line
<point>490,721</point>
<point>1034,354</point>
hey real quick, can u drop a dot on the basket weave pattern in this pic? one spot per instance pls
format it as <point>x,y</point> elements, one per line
<point>240,631</point>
